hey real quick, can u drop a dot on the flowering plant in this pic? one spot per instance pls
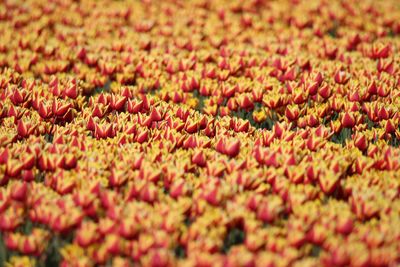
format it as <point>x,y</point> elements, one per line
<point>199,133</point>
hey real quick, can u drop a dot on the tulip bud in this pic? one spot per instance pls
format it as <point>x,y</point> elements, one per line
<point>178,188</point>
<point>360,141</point>
<point>142,135</point>
<point>199,159</point>
<point>232,148</point>
<point>117,178</point>
<point>19,191</point>
<point>348,120</point>
<point>28,175</point>
<point>22,129</point>
<point>12,240</point>
<point>390,126</point>
<point>245,102</point>
<point>28,246</point>
<point>148,193</point>
<point>13,168</point>
<point>328,182</point>
<point>325,91</point>
<point>44,110</point>
<point>292,112</point>
<point>372,88</point>
<point>341,77</point>
<point>87,234</point>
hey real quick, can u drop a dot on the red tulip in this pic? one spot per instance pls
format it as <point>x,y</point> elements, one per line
<point>20,191</point>
<point>44,110</point>
<point>70,161</point>
<point>372,88</point>
<point>390,126</point>
<point>129,228</point>
<point>292,112</point>
<point>22,129</point>
<point>328,182</point>
<point>325,91</point>
<point>60,109</point>
<point>148,193</point>
<point>360,141</point>
<point>341,77</point>
<point>232,148</point>
<point>87,234</point>
<point>199,159</point>
<point>71,91</point>
<point>142,135</point>
<point>117,178</point>
<point>348,120</point>
<point>245,102</point>
<point>386,65</point>
<point>10,220</point>
<point>13,168</point>
<point>29,246</point>
<point>178,188</point>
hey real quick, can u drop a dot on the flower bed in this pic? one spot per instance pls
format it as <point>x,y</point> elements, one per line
<point>199,133</point>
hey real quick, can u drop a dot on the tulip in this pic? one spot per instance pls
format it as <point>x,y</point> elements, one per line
<point>325,91</point>
<point>100,110</point>
<point>86,235</point>
<point>101,255</point>
<point>59,109</point>
<point>390,126</point>
<point>232,148</point>
<point>10,220</point>
<point>344,226</point>
<point>315,143</point>
<point>269,211</point>
<point>117,178</point>
<point>148,193</point>
<point>292,112</point>
<point>70,161</point>
<point>191,126</point>
<point>317,234</point>
<point>372,88</point>
<point>12,240</point>
<point>28,246</point>
<point>28,161</point>
<point>158,257</point>
<point>385,65</point>
<point>44,110</point>
<point>199,159</point>
<point>142,135</point>
<point>348,120</point>
<point>71,91</point>
<point>382,51</point>
<point>13,168</point>
<point>128,229</point>
<point>20,191</point>
<point>341,77</point>
<point>245,102</point>
<point>19,96</point>
<point>360,141</point>
<point>328,182</point>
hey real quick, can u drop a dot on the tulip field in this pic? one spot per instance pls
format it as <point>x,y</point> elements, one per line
<point>254,133</point>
